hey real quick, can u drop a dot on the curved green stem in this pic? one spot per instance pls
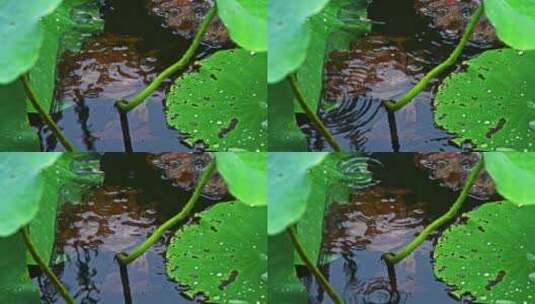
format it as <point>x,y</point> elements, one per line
<point>126,106</point>
<point>394,258</point>
<point>324,283</point>
<point>44,115</point>
<point>125,258</point>
<point>316,121</point>
<point>44,267</point>
<point>420,86</point>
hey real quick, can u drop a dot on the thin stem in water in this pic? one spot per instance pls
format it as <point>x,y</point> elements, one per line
<point>44,115</point>
<point>422,84</point>
<point>125,258</point>
<point>316,121</point>
<point>394,258</point>
<point>324,283</point>
<point>44,267</point>
<point>126,106</point>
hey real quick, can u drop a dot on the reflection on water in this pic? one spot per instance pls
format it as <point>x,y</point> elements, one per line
<point>184,169</point>
<point>452,169</point>
<point>133,201</point>
<point>451,17</point>
<point>384,218</point>
<point>378,219</point>
<point>183,17</point>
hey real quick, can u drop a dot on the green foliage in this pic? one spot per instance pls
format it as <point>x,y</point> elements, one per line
<point>23,185</point>
<point>338,175</point>
<point>491,256</point>
<point>330,31</point>
<point>283,286</point>
<point>289,35</point>
<point>343,173</point>
<point>67,179</point>
<point>246,21</point>
<point>246,175</point>
<point>300,35</point>
<point>291,186</point>
<point>514,21</point>
<point>21,34</point>
<point>15,131</point>
<point>514,175</point>
<point>310,226</point>
<point>492,104</point>
<point>35,185</point>
<point>283,132</point>
<point>299,43</point>
<point>224,103</point>
<point>64,29</point>
<point>15,283</point>
<point>224,255</point>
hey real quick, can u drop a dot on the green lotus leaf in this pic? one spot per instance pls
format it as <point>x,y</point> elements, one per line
<point>21,35</point>
<point>514,175</point>
<point>310,226</point>
<point>334,28</point>
<point>23,186</point>
<point>491,255</point>
<point>64,29</point>
<point>246,21</point>
<point>514,21</point>
<point>15,131</point>
<point>332,25</point>
<point>492,103</point>
<point>246,175</point>
<point>290,187</point>
<point>289,35</point>
<point>283,132</point>
<point>15,283</point>
<point>67,179</point>
<point>223,255</point>
<point>283,286</point>
<point>224,103</point>
<point>338,175</point>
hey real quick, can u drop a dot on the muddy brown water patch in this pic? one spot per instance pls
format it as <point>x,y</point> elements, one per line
<point>184,16</point>
<point>184,170</point>
<point>452,16</point>
<point>451,170</point>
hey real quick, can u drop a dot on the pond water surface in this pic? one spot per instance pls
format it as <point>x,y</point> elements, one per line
<point>117,64</point>
<point>400,49</point>
<point>132,202</point>
<point>385,217</point>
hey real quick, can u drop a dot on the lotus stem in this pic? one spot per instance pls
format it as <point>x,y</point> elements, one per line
<point>316,121</point>
<point>126,106</point>
<point>324,283</point>
<point>422,84</point>
<point>394,258</point>
<point>44,115</point>
<point>44,267</point>
<point>125,258</point>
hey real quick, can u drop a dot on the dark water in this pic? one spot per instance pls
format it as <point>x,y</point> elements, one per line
<point>359,121</point>
<point>383,218</point>
<point>117,64</point>
<point>132,202</point>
